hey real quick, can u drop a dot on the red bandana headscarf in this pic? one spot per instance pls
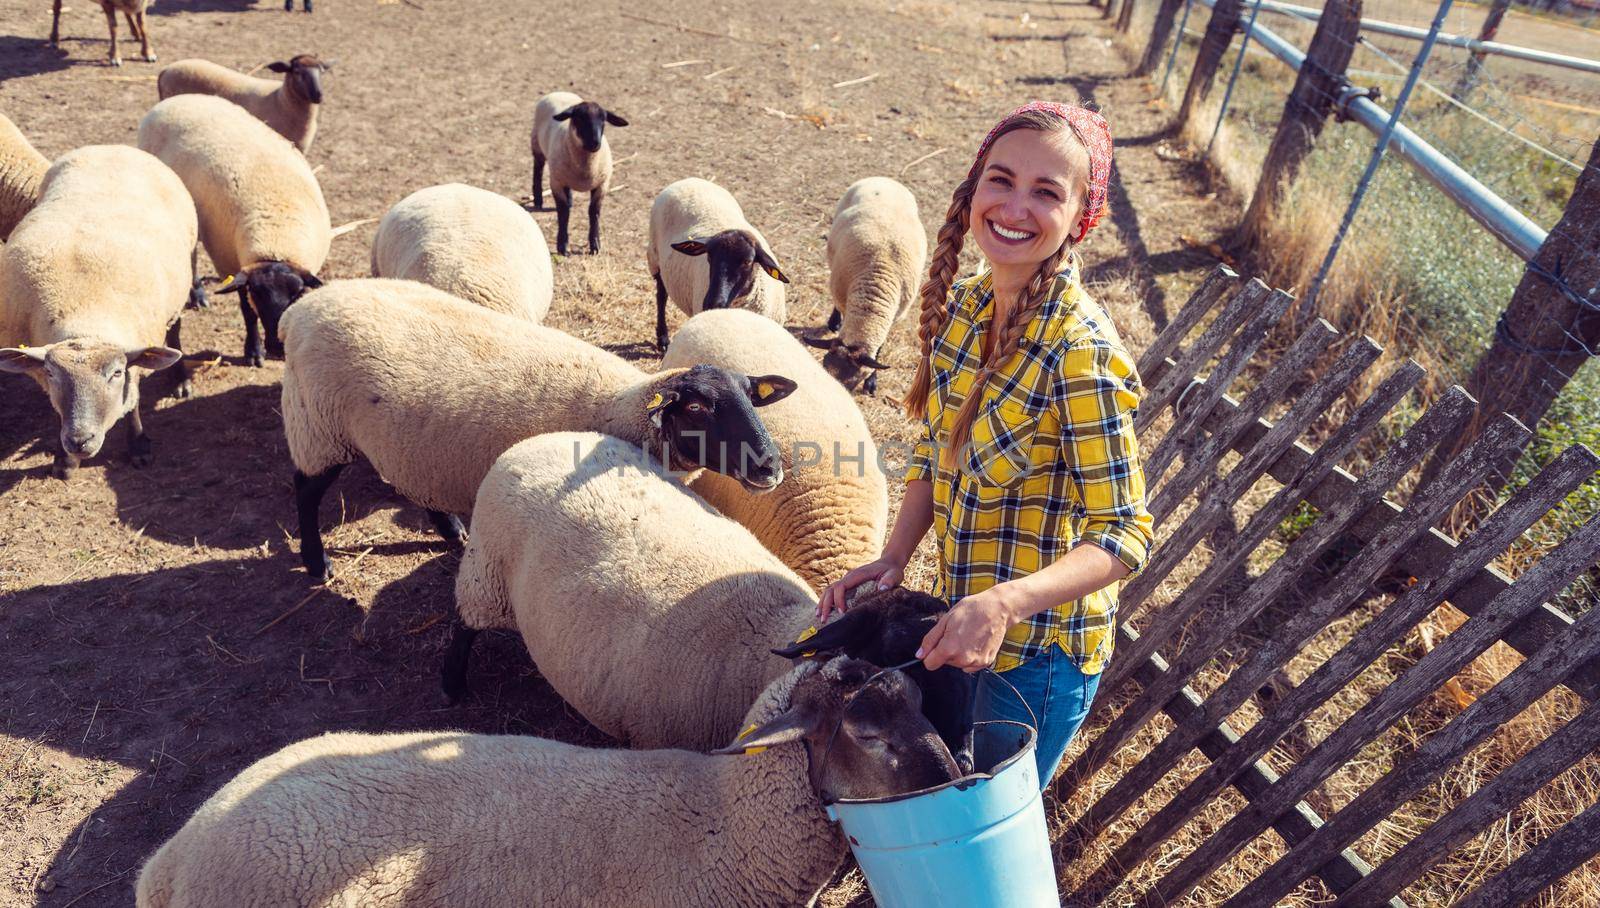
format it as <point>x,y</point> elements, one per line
<point>1093,131</point>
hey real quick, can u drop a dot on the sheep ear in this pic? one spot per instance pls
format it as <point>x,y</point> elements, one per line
<point>782,729</point>
<point>769,389</point>
<point>821,343</point>
<point>153,358</point>
<point>690,247</point>
<point>842,633</point>
<point>872,362</point>
<point>279,66</point>
<point>566,113</point>
<point>769,264</point>
<point>22,359</point>
<point>615,120</point>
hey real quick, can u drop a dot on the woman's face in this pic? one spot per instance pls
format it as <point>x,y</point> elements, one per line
<point>1029,197</point>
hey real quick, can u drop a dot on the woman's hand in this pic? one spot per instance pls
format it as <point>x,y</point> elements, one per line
<point>969,635</point>
<point>886,571</point>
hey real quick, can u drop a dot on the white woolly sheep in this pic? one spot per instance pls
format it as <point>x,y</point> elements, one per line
<point>21,171</point>
<point>450,818</point>
<point>92,280</point>
<point>132,10</point>
<point>289,107</point>
<point>470,242</point>
<point>569,134</point>
<point>877,250</point>
<point>654,616</point>
<point>829,514</point>
<point>700,220</point>
<point>262,217</point>
<point>431,388</point>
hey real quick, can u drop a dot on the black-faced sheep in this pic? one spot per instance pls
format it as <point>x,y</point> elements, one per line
<point>449,818</point>
<point>289,107</point>
<point>431,389</point>
<point>703,255</point>
<point>569,135</point>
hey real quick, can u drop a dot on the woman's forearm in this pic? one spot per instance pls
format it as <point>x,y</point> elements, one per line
<point>912,523</point>
<point>1081,571</point>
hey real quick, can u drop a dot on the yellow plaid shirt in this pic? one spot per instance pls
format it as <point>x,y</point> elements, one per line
<point>1052,463</point>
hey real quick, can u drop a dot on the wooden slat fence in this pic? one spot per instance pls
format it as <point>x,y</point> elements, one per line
<point>1374,536</point>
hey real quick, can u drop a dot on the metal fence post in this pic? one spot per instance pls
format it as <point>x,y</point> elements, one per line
<point>1177,42</point>
<point>1309,303</point>
<point>1227,94</point>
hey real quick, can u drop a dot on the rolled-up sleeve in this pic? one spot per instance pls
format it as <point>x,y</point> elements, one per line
<point>920,465</point>
<point>1097,392</point>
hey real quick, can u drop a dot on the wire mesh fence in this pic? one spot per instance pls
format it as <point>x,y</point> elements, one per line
<point>1412,268</point>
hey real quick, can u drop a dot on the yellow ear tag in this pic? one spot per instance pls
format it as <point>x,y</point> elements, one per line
<point>775,274</point>
<point>805,635</point>
<point>745,734</point>
<point>655,401</point>
<point>227,283</point>
<point>764,389</point>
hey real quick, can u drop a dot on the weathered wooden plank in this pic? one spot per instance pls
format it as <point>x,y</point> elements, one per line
<point>1529,681</point>
<point>1220,281</point>
<point>1244,304</point>
<point>1444,418</point>
<point>1206,450</point>
<point>1253,782</point>
<point>1549,861</point>
<point>1562,476</point>
<point>1245,344</point>
<point>1526,637</point>
<point>1430,503</point>
<point>1571,743</point>
<point>1214,505</point>
<point>1186,437</point>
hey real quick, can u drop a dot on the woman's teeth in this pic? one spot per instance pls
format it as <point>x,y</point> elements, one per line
<point>1008,234</point>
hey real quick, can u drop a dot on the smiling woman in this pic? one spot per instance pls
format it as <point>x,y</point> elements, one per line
<point>1028,472</point>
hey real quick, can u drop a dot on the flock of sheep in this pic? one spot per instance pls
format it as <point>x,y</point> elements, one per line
<point>652,604</point>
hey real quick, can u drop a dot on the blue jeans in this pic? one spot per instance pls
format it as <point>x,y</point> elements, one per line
<point>1059,694</point>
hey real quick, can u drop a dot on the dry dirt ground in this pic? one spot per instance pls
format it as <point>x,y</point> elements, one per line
<point>156,631</point>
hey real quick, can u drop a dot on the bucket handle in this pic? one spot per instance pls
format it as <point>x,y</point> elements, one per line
<point>1018,694</point>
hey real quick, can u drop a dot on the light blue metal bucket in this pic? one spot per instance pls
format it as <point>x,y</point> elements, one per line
<point>975,842</point>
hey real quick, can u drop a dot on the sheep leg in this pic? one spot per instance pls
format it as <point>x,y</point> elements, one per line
<point>538,181</point>
<point>144,40</point>
<point>308,492</point>
<point>140,451</point>
<point>111,23</point>
<point>453,673</point>
<point>305,5</point>
<point>835,320</point>
<point>661,314</point>
<point>288,6</point>
<point>870,385</point>
<point>65,465</point>
<point>563,199</point>
<point>197,290</point>
<point>55,26</point>
<point>449,526</point>
<point>255,349</point>
<point>183,386</point>
<point>595,198</point>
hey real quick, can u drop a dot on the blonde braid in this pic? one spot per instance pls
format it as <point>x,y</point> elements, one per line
<point>935,292</point>
<point>1007,343</point>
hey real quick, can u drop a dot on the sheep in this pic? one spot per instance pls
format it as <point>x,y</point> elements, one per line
<point>569,133</point>
<point>651,614</point>
<point>475,244</point>
<point>431,388</point>
<point>289,107</point>
<point>877,250</point>
<point>697,218</point>
<point>451,818</point>
<point>886,627</point>
<point>91,280</point>
<point>21,171</point>
<point>132,10</point>
<point>830,513</point>
<point>262,217</point>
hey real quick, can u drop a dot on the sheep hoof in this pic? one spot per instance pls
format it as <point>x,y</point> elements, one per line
<point>184,390</point>
<point>141,453</point>
<point>594,248</point>
<point>319,573</point>
<point>255,360</point>
<point>116,61</point>
<point>871,384</point>
<point>149,58</point>
<point>449,527</point>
